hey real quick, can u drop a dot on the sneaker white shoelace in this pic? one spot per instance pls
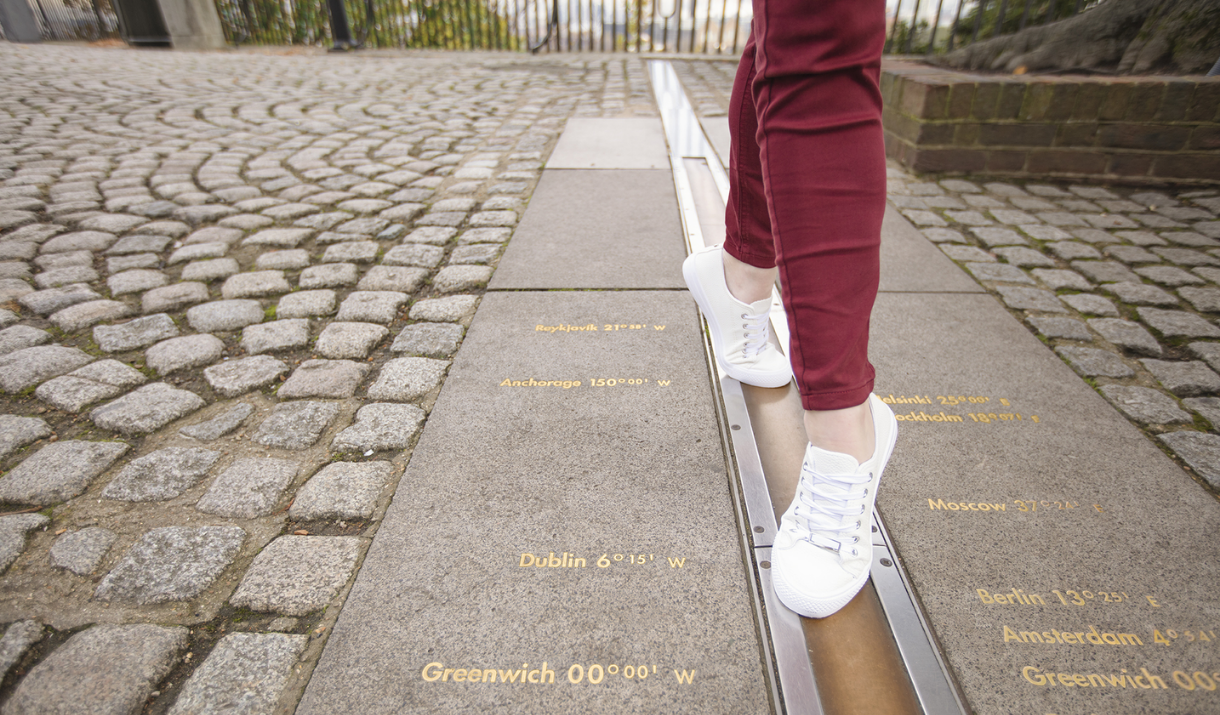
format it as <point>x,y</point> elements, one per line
<point>828,505</point>
<point>756,330</point>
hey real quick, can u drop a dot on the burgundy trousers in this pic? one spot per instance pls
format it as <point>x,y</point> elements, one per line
<point>807,181</point>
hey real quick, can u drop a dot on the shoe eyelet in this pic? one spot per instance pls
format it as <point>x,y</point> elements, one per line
<point>862,509</point>
<point>855,540</point>
<point>855,552</point>
<point>858,525</point>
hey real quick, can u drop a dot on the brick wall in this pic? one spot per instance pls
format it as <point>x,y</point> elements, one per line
<point>1132,129</point>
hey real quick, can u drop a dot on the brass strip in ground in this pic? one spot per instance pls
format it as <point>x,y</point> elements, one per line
<point>855,660</point>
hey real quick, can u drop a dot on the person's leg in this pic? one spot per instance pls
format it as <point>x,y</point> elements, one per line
<point>818,109</point>
<point>749,261</point>
<point>835,179</point>
<point>823,163</point>
<point>735,296</point>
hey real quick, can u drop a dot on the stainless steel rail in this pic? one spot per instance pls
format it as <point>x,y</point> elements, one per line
<point>700,179</point>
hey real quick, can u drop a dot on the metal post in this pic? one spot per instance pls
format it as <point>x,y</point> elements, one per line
<point>737,27</point>
<point>339,30</point>
<point>639,25</point>
<point>707,25</point>
<point>889,44</point>
<point>724,6</point>
<point>956,19</point>
<point>652,27</point>
<point>911,28</point>
<point>935,25</point>
<point>678,23</point>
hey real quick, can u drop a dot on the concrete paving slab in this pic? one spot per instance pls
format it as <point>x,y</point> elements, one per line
<point>612,550</point>
<point>596,229</point>
<point>717,131</point>
<point>614,143</point>
<point>1044,534</point>
<point>910,263</point>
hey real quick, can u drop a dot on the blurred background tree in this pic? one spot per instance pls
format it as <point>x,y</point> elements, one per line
<point>1111,36</point>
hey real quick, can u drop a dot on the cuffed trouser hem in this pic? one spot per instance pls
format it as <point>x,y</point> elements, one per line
<point>837,400</point>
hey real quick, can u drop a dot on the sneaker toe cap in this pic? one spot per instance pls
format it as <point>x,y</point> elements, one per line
<point>809,569</point>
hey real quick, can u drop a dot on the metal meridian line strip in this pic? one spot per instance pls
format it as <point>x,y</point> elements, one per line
<point>925,665</point>
<point>783,636</point>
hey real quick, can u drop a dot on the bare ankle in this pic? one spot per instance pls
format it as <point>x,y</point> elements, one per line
<point>847,431</point>
<point>747,283</point>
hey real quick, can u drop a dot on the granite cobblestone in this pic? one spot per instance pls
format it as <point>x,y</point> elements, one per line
<point>201,214</point>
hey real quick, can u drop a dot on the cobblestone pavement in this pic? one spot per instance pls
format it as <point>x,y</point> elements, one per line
<point>1120,281</point>
<point>231,285</point>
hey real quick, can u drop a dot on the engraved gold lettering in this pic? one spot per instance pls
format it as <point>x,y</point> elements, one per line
<point>685,677</point>
<point>552,329</point>
<point>531,382</point>
<point>433,676</point>
<point>1033,675</point>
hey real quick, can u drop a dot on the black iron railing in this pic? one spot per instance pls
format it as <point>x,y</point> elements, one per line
<point>713,27</point>
<point>699,26</point>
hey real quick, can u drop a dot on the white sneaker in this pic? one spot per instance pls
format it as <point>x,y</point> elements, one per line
<point>821,556</point>
<point>739,330</point>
